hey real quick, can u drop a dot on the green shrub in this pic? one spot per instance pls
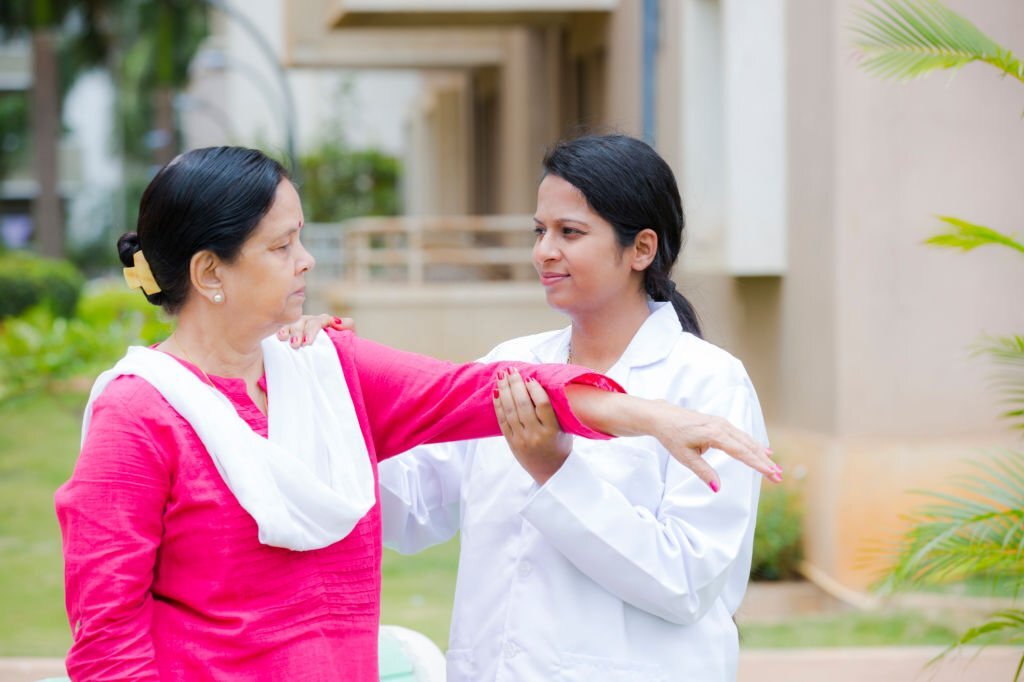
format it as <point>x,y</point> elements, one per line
<point>778,546</point>
<point>39,349</point>
<point>340,183</point>
<point>113,306</point>
<point>27,280</point>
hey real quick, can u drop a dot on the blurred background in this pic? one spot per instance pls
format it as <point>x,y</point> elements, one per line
<point>415,129</point>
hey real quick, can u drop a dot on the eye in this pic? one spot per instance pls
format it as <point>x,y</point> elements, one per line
<point>538,230</point>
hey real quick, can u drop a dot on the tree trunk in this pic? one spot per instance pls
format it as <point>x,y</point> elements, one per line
<point>163,104</point>
<point>45,112</point>
<point>163,119</point>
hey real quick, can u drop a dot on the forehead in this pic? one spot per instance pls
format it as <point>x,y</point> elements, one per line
<point>285,212</point>
<point>557,194</point>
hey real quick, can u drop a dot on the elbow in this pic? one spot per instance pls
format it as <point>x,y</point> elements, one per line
<point>682,609</point>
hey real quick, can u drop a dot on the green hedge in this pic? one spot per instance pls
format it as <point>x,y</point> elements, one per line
<point>27,280</point>
<point>39,350</point>
<point>778,546</point>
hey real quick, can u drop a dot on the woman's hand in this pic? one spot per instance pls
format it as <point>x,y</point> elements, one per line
<point>528,423</point>
<point>302,332</point>
<point>686,434</point>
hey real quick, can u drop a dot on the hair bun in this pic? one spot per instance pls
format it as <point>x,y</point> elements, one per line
<point>127,245</point>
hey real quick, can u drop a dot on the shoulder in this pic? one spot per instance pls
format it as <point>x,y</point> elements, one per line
<point>130,406</point>
<point>520,348</point>
<point>695,373</point>
<point>130,396</point>
<point>698,356</point>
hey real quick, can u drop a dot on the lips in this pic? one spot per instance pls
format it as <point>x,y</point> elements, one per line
<point>549,278</point>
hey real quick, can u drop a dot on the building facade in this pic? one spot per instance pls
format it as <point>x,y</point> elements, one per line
<point>809,186</point>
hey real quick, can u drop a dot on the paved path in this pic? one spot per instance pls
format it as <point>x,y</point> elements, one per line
<point>884,664</point>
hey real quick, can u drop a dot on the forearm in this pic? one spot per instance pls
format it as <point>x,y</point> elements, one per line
<point>686,434</point>
<point>616,414</point>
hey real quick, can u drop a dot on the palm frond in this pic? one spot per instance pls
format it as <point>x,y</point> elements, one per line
<point>906,39</point>
<point>976,530</point>
<point>1007,353</point>
<point>1002,627</point>
<point>967,236</point>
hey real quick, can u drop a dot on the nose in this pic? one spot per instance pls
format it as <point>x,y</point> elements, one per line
<point>545,249</point>
<point>306,260</point>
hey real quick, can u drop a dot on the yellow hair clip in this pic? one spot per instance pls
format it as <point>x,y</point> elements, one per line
<point>140,276</point>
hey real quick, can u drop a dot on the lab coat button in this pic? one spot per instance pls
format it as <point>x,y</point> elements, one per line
<point>511,649</point>
<point>524,569</point>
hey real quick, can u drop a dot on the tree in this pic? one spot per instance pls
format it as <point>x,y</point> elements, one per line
<point>978,530</point>
<point>72,36</point>
<point>43,20</point>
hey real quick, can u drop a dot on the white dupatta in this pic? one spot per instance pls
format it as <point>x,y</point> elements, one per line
<point>310,482</point>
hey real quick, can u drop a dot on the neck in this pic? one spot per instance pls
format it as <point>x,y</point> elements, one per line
<point>600,336</point>
<point>208,339</point>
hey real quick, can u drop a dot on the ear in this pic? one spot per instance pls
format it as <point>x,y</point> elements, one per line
<point>204,271</point>
<point>645,248</point>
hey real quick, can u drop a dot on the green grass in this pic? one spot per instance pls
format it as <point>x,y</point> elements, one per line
<point>848,629</point>
<point>419,590</point>
<point>38,445</point>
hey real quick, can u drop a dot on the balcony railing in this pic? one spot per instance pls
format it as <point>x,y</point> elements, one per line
<point>417,250</point>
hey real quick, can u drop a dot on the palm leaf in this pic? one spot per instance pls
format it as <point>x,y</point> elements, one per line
<point>976,530</point>
<point>967,236</point>
<point>906,39</point>
<point>1002,627</point>
<point>1007,353</point>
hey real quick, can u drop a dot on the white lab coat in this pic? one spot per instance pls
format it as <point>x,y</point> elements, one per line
<point>624,566</point>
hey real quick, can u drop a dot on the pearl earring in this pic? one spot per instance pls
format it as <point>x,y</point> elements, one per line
<point>218,297</point>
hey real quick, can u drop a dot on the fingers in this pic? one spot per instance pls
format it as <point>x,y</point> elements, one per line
<point>734,442</point>
<point>342,324</point>
<point>705,472</point>
<point>542,404</point>
<point>508,402</point>
<point>303,331</point>
<point>293,333</point>
<point>499,412</point>
<point>525,408</point>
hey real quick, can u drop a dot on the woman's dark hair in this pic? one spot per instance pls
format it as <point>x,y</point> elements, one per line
<point>628,184</point>
<point>205,200</point>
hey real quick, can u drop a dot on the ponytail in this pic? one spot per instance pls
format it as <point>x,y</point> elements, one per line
<point>661,288</point>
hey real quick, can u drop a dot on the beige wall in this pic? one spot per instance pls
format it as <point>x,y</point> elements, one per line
<point>861,350</point>
<point>877,391</point>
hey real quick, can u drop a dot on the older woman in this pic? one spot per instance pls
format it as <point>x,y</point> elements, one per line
<point>223,519</point>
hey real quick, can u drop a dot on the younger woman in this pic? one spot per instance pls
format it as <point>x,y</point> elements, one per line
<point>594,560</point>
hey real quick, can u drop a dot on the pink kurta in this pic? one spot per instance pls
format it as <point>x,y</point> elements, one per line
<point>165,577</point>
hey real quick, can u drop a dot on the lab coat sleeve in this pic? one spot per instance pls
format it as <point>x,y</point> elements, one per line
<point>419,494</point>
<point>672,564</point>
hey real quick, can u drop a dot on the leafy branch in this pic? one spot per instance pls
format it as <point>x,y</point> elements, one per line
<point>906,39</point>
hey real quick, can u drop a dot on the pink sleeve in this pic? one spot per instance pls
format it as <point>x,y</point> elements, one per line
<point>412,399</point>
<point>110,514</point>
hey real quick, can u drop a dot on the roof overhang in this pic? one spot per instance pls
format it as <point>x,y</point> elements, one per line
<point>427,13</point>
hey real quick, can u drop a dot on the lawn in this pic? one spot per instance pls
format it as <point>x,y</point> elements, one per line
<point>39,442</point>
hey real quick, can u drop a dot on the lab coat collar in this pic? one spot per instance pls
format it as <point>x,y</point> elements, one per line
<point>653,342</point>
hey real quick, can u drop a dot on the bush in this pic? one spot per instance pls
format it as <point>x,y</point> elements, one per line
<point>340,183</point>
<point>27,280</point>
<point>39,349</point>
<point>778,546</point>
